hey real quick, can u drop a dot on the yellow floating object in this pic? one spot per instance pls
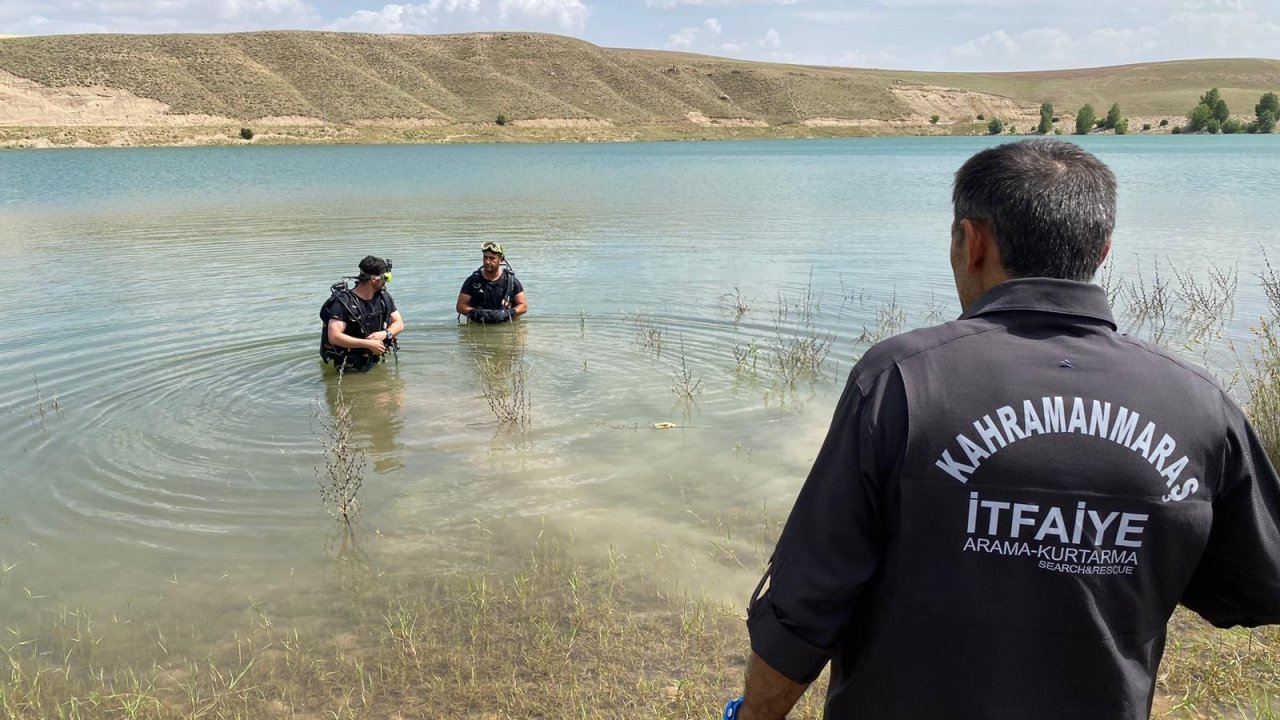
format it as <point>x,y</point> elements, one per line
<point>664,425</point>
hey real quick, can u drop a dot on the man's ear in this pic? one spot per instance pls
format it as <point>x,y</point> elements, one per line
<point>976,237</point>
<point>1106,250</point>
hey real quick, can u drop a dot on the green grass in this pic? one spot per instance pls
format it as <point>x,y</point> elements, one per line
<point>552,636</point>
<point>567,632</point>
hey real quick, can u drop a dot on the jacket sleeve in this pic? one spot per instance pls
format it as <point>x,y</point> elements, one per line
<point>1238,579</point>
<point>831,544</point>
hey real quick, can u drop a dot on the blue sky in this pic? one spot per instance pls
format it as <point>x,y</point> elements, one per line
<point>961,35</point>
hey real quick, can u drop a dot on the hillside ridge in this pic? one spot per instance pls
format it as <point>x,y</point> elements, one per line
<point>541,82</point>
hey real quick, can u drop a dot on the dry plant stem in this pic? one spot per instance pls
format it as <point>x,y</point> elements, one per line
<point>344,461</point>
<point>800,353</point>
<point>504,387</point>
<point>735,303</point>
<point>648,334</point>
<point>684,384</point>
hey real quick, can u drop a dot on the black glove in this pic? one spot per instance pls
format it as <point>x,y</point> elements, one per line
<point>502,315</point>
<point>485,315</point>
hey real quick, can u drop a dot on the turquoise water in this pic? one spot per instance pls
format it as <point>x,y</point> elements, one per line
<point>163,393</point>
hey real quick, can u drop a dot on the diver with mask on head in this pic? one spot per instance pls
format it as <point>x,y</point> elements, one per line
<point>360,324</point>
<point>493,293</point>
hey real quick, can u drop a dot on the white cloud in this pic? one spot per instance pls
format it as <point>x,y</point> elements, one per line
<point>133,16</point>
<point>411,18</point>
<point>834,17</point>
<point>864,59</point>
<point>467,15</point>
<point>703,37</point>
<point>565,14</point>
<point>668,4</point>
<point>1040,46</point>
<point>1218,28</point>
<point>709,37</point>
<point>1196,5</point>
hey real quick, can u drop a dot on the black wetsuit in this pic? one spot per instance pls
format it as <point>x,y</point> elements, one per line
<point>494,298</point>
<point>363,318</point>
<point>1006,511</point>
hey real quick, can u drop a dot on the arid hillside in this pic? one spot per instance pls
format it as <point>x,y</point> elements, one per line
<point>336,86</point>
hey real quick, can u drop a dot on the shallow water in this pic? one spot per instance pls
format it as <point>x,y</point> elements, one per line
<point>160,421</point>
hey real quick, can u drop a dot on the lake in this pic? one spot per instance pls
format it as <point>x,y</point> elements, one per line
<point>165,405</point>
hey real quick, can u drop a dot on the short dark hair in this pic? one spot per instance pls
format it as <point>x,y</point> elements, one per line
<point>372,266</point>
<point>1050,205</point>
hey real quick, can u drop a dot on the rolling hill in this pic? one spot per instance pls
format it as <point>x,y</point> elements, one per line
<point>310,86</point>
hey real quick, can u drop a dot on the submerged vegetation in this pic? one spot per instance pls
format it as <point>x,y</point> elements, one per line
<point>342,473</point>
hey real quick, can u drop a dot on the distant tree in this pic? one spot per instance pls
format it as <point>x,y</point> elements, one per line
<point>934,119</point>
<point>1220,111</point>
<point>1146,127</point>
<point>1210,98</point>
<point>1084,119</point>
<point>1046,118</point>
<point>1164,122</point>
<point>1266,122</point>
<point>995,127</point>
<point>1267,102</point>
<point>1213,126</point>
<point>246,133</point>
<point>1177,130</point>
<point>1122,127</point>
<point>1199,117</point>
<point>1013,129</point>
<point>1232,126</point>
<point>502,119</point>
<point>981,116</point>
<point>1113,117</point>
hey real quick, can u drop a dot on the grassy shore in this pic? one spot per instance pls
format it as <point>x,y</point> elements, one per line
<point>565,634</point>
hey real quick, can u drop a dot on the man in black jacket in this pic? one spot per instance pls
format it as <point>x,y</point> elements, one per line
<point>1008,507</point>
<point>492,294</point>
<point>361,323</point>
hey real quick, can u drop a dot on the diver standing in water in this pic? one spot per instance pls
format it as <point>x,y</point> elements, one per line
<point>360,323</point>
<point>493,293</point>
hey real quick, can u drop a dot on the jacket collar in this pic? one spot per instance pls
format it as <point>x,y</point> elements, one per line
<point>1062,297</point>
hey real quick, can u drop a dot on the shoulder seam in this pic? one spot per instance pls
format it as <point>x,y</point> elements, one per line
<point>896,360</point>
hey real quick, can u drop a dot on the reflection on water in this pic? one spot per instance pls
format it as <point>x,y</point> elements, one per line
<point>376,402</point>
